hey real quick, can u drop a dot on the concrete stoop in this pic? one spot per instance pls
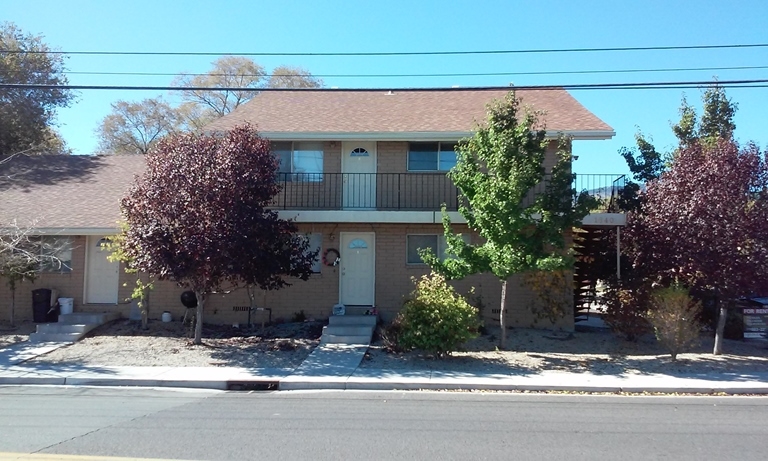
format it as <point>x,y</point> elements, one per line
<point>349,329</point>
<point>71,327</point>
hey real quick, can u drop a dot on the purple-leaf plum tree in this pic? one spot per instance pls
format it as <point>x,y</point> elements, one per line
<point>199,216</point>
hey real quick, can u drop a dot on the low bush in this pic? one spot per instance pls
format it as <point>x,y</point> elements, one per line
<point>391,333</point>
<point>674,316</point>
<point>625,309</point>
<point>436,319</point>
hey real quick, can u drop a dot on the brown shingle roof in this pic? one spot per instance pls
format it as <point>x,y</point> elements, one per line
<point>66,191</point>
<point>381,111</point>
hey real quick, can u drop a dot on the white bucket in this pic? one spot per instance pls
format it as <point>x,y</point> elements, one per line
<point>166,317</point>
<point>66,305</point>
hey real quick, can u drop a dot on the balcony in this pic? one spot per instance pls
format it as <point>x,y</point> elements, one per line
<point>405,191</point>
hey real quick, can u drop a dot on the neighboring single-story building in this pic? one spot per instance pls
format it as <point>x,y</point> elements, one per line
<point>363,175</point>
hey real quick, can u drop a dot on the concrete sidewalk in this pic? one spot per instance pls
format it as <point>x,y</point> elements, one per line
<point>337,367</point>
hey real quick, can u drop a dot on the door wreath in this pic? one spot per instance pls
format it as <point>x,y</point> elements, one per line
<point>331,257</point>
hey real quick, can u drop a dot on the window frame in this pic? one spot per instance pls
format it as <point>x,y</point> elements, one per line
<point>439,151</point>
<point>294,176</point>
<point>67,248</point>
<point>442,245</point>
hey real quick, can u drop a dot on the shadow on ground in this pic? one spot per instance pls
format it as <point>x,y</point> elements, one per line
<point>597,351</point>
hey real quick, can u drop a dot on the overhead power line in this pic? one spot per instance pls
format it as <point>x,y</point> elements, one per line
<point>457,74</point>
<point>754,83</point>
<point>395,53</point>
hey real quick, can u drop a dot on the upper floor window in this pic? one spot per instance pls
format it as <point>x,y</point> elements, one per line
<point>299,161</point>
<point>431,156</point>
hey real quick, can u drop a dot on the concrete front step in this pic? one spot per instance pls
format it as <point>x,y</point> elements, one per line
<point>354,330</point>
<point>352,320</point>
<point>88,318</point>
<point>54,328</point>
<point>54,337</point>
<point>71,327</point>
<point>363,340</point>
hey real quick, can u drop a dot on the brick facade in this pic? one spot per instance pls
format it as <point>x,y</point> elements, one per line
<point>316,296</point>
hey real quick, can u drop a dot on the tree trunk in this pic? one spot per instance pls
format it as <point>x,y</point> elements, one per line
<point>145,311</point>
<point>13,305</point>
<point>199,318</point>
<point>719,331</point>
<point>503,339</point>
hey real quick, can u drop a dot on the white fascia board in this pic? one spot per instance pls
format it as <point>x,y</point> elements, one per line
<point>368,216</point>
<point>69,231</point>
<point>411,135</point>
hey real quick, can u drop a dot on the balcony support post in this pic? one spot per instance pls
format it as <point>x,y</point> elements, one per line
<point>618,252</point>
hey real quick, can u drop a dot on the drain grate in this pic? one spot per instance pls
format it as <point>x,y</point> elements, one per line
<point>252,385</point>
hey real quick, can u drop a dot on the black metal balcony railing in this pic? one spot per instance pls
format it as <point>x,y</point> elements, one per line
<point>402,191</point>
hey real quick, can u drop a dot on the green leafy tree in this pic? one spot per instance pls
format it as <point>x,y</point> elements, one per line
<point>27,116</point>
<point>522,212</point>
<point>717,118</point>
<point>134,127</point>
<point>686,129</point>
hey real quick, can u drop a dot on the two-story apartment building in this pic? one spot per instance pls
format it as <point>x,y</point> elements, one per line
<point>363,175</point>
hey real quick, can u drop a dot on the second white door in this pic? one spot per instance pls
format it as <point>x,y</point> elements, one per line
<point>358,168</point>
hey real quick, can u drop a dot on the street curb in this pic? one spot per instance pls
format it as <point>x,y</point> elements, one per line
<point>272,384</point>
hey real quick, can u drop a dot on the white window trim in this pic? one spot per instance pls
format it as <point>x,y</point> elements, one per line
<point>439,150</point>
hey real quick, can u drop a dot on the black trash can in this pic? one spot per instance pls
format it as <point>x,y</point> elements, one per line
<point>41,304</point>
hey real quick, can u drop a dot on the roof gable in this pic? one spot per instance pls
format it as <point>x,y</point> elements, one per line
<point>323,114</point>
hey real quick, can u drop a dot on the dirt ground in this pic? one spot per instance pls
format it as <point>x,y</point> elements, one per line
<point>123,343</point>
<point>13,334</point>
<point>595,350</point>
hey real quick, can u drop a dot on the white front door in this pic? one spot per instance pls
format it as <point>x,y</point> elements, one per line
<point>102,278</point>
<point>358,167</point>
<point>357,268</point>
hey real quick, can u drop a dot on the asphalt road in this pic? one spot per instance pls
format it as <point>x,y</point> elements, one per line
<point>152,423</point>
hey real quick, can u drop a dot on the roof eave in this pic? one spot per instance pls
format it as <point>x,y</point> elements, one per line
<point>68,231</point>
<point>414,135</point>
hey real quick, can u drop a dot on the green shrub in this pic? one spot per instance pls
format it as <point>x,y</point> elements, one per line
<point>437,319</point>
<point>674,316</point>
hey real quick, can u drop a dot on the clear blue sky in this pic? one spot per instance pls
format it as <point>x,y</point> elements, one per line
<point>421,25</point>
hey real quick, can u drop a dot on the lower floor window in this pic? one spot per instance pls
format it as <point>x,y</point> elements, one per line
<point>437,243</point>
<point>55,253</point>
<point>315,244</point>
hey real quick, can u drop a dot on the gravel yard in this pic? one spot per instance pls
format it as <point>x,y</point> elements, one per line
<point>595,351</point>
<point>123,343</point>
